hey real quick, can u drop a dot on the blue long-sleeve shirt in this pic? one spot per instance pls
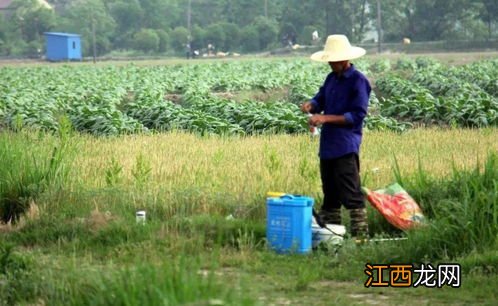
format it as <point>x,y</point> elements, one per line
<point>345,95</point>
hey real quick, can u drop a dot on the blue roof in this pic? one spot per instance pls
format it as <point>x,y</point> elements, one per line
<point>62,34</point>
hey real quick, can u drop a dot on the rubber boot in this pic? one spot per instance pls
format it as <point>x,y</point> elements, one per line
<point>332,216</point>
<point>359,225</point>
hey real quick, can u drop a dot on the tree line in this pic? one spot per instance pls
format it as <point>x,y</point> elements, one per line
<point>167,26</point>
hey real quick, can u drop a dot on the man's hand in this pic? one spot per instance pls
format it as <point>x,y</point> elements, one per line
<point>316,120</point>
<point>306,107</point>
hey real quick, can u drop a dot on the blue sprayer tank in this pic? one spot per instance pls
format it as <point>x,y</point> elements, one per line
<point>288,223</point>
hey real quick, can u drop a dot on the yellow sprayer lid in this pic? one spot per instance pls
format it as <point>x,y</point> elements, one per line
<point>275,194</point>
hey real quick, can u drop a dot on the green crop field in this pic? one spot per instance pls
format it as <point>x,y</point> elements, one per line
<point>198,146</point>
<point>199,98</point>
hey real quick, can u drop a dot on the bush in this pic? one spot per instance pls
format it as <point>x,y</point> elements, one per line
<point>250,39</point>
<point>146,40</point>
<point>27,170</point>
<point>232,36</point>
<point>198,38</point>
<point>305,37</point>
<point>164,40</point>
<point>215,35</point>
<point>267,30</point>
<point>179,38</point>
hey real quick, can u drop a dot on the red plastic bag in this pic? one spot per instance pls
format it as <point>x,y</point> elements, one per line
<point>397,206</point>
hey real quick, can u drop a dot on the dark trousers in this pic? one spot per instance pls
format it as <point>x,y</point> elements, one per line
<point>341,183</point>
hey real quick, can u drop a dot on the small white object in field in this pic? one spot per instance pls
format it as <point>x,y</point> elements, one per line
<point>332,234</point>
<point>314,35</point>
<point>141,217</point>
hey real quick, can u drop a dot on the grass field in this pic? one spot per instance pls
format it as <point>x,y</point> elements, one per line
<point>77,241</point>
<point>276,162</point>
<point>80,245</point>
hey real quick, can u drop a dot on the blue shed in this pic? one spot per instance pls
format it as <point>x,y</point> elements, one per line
<point>63,46</point>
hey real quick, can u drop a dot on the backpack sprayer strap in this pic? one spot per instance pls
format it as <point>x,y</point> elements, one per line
<point>322,224</point>
<point>318,219</point>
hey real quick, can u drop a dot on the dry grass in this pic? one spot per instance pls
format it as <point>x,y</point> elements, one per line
<point>453,58</point>
<point>32,213</point>
<point>259,164</point>
<point>98,220</point>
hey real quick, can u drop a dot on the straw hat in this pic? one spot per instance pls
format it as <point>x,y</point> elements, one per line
<point>337,48</point>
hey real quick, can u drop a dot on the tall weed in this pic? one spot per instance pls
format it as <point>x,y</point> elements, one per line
<point>462,213</point>
<point>30,163</point>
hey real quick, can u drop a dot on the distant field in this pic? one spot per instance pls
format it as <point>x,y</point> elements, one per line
<point>456,58</point>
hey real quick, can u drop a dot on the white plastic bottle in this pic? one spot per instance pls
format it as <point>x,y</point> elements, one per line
<point>140,217</point>
<point>314,130</point>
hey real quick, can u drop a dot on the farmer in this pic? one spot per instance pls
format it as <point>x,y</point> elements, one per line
<point>188,50</point>
<point>340,107</point>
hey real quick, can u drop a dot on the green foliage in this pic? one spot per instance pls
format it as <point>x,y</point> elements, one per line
<point>405,63</point>
<point>169,284</point>
<point>21,31</point>
<point>164,40</point>
<point>273,161</point>
<point>117,21</point>
<point>113,173</point>
<point>338,17</point>
<point>81,17</point>
<point>488,12</point>
<point>403,99</point>
<point>462,212</point>
<point>381,123</point>
<point>146,40</point>
<point>461,96</point>
<point>188,252</point>
<point>380,66</point>
<point>305,37</point>
<point>198,38</point>
<point>28,171</point>
<point>128,15</point>
<point>267,30</point>
<point>250,39</point>
<point>16,280</point>
<point>394,20</point>
<point>215,35</point>
<point>431,20</point>
<point>179,38</point>
<point>34,19</point>
<point>232,36</point>
<point>130,99</point>
<point>141,171</point>
<point>95,116</point>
